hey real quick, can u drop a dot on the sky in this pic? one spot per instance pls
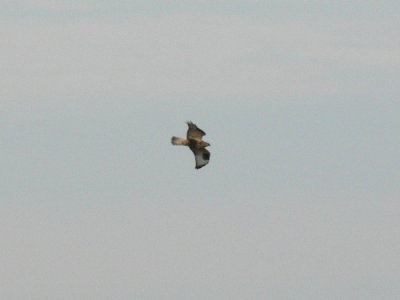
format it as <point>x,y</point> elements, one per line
<point>299,100</point>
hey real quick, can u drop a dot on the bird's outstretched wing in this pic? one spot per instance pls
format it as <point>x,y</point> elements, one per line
<point>194,132</point>
<point>202,157</point>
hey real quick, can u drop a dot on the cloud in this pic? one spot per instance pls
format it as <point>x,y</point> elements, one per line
<point>195,56</point>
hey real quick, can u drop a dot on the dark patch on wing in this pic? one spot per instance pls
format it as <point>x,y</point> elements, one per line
<point>202,157</point>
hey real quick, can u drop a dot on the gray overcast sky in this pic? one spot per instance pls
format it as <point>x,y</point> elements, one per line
<point>300,102</point>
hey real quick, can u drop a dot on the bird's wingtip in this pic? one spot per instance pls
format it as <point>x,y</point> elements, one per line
<point>199,167</point>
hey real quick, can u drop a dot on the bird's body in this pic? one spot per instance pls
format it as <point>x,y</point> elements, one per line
<point>195,143</point>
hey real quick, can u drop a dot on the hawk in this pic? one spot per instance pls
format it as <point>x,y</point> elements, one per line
<point>195,143</point>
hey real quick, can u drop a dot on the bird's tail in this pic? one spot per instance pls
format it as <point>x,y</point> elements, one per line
<point>178,141</point>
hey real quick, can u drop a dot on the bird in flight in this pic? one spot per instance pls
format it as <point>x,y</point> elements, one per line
<point>194,141</point>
